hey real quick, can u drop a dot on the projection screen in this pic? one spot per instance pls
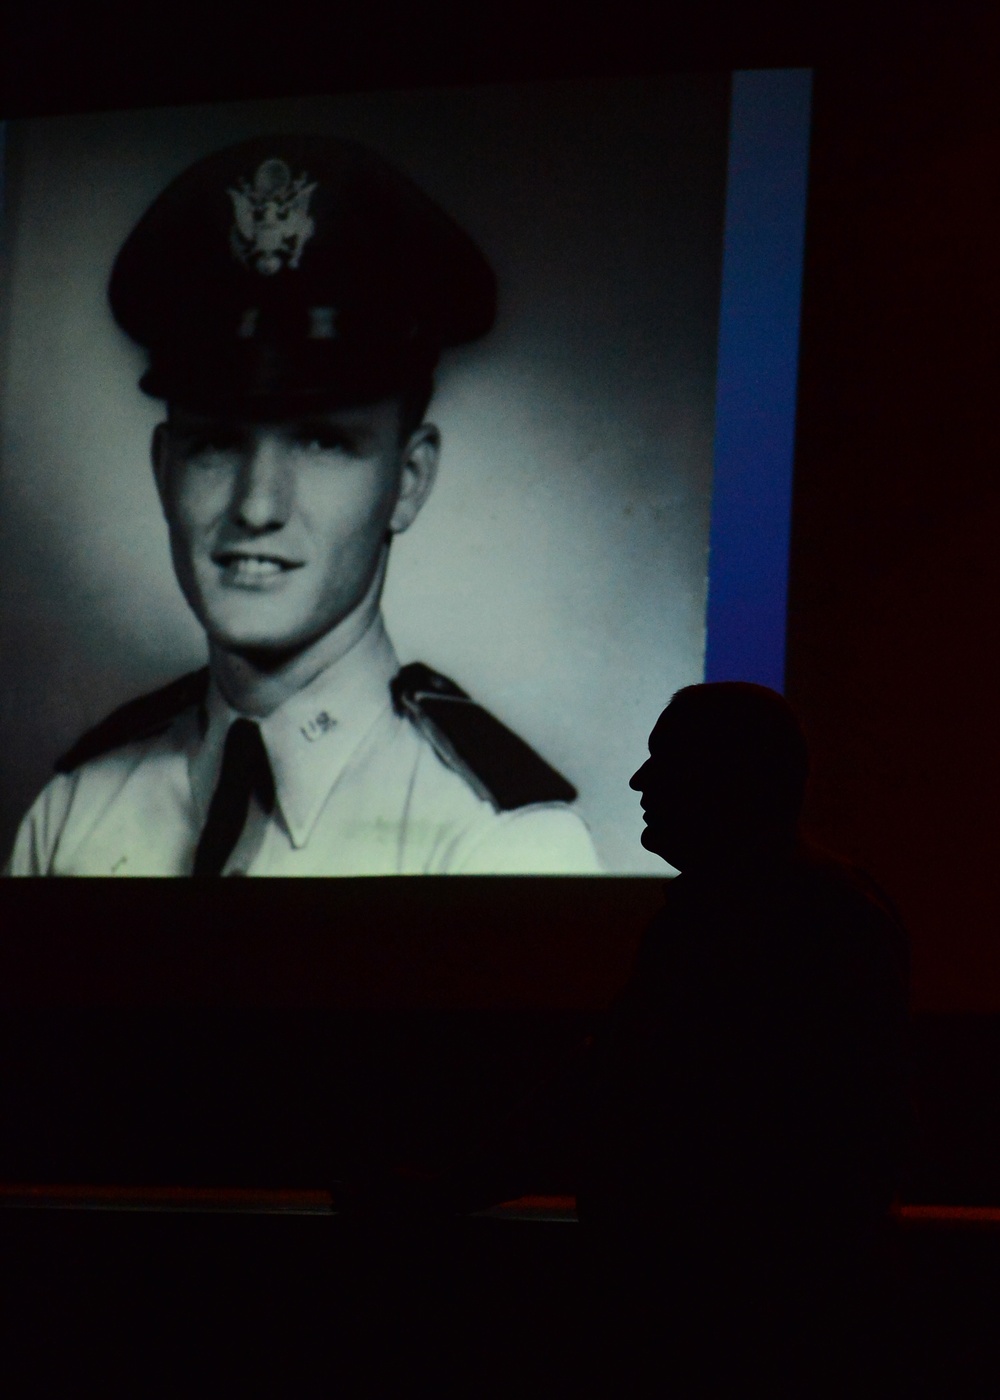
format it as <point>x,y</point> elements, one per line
<point>560,572</point>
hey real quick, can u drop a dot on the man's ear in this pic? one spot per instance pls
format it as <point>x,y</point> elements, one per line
<point>159,450</point>
<point>420,460</point>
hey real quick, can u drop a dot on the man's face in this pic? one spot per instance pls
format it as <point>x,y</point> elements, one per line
<point>278,530</point>
<point>699,801</point>
<point>677,793</point>
<point>656,783</point>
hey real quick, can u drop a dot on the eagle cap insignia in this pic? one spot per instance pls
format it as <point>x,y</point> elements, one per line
<point>272,224</point>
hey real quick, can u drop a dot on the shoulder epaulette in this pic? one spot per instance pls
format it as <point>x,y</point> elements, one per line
<point>497,764</point>
<point>138,719</point>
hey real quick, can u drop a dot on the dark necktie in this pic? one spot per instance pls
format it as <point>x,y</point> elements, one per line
<point>245,773</point>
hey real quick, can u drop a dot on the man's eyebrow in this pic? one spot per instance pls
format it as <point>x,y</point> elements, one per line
<point>205,425</point>
<point>322,425</point>
<point>357,433</point>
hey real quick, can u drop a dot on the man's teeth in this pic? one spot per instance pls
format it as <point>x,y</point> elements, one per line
<point>254,568</point>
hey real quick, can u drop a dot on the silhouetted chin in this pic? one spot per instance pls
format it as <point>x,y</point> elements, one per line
<point>650,840</point>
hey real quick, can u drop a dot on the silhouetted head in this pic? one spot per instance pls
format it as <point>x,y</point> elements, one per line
<point>725,776</point>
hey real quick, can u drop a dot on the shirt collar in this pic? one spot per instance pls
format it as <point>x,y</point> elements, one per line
<point>312,736</point>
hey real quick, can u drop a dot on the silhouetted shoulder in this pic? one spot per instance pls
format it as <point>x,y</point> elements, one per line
<point>850,902</point>
<point>138,719</point>
<point>496,763</point>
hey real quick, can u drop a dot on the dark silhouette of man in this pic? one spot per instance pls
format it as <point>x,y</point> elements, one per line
<point>748,1105</point>
<point>740,1119</point>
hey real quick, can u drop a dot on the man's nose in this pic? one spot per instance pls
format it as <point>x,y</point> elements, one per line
<point>635,782</point>
<point>264,487</point>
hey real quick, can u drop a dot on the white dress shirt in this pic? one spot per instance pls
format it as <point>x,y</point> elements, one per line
<point>358,791</point>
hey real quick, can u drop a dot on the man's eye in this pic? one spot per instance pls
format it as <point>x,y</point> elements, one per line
<point>205,444</point>
<point>325,440</point>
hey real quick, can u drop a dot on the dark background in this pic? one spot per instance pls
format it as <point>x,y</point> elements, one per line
<point>894,574</point>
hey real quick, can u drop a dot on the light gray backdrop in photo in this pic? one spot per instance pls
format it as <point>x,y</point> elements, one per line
<point>559,571</point>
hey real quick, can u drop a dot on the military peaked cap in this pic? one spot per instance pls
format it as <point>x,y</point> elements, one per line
<point>293,273</point>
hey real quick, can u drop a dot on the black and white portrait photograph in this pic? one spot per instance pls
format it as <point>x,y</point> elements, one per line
<point>355,476</point>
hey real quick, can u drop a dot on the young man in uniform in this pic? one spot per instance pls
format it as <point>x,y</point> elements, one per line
<point>293,295</point>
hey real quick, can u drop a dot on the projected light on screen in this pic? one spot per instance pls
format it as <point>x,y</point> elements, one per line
<point>756,383</point>
<point>645,236</point>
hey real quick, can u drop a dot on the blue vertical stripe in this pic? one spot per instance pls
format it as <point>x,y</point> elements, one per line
<point>757,375</point>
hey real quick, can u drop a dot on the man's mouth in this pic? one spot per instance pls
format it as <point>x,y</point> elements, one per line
<point>253,568</point>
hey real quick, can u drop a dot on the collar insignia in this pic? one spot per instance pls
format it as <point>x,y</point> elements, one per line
<point>318,726</point>
<point>272,223</point>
